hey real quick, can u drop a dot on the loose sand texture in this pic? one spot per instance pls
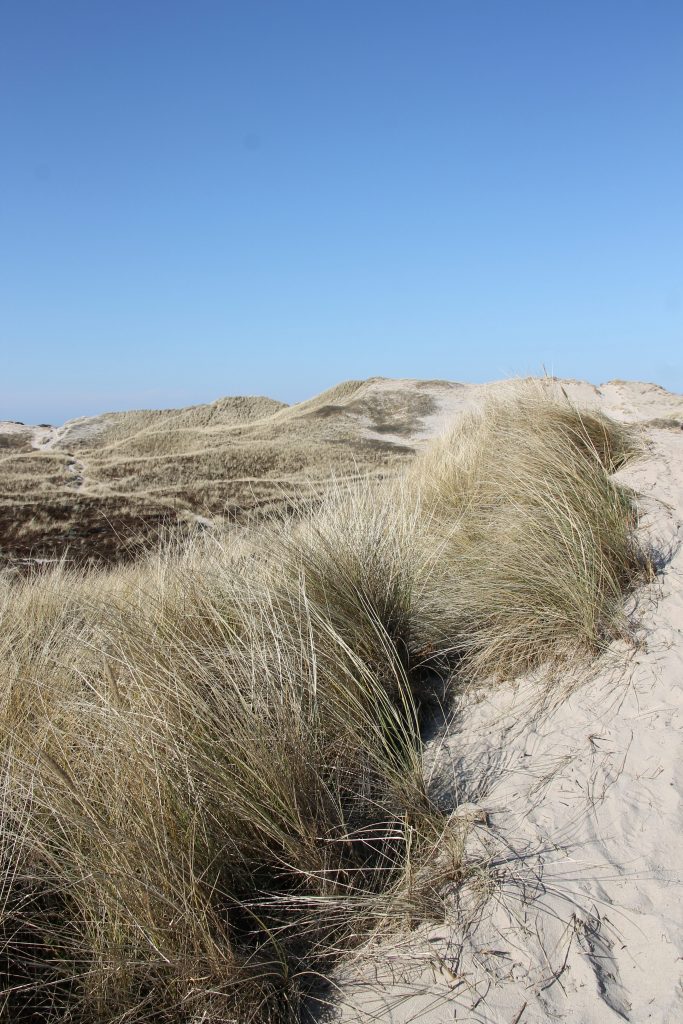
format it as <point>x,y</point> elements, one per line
<point>573,909</point>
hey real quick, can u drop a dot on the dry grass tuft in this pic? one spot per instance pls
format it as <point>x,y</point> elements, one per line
<point>536,541</point>
<point>212,761</point>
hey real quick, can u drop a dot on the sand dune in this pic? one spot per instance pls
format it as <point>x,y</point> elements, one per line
<point>571,786</point>
<point>79,490</point>
<point>580,841</point>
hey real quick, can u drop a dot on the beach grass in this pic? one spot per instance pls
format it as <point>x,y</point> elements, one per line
<point>212,774</point>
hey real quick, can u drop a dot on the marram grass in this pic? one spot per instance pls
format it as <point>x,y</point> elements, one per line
<point>212,781</point>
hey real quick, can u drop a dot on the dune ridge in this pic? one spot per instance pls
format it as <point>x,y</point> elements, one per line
<point>96,489</point>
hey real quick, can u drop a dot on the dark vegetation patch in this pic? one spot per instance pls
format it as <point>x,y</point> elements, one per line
<point>388,447</point>
<point>323,412</point>
<point>19,442</point>
<point>404,427</point>
<point>660,423</point>
<point>447,385</point>
<point>390,412</point>
<point>82,530</point>
<point>397,412</point>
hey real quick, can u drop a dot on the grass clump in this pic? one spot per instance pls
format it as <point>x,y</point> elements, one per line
<point>205,797</point>
<point>212,760</point>
<point>536,540</point>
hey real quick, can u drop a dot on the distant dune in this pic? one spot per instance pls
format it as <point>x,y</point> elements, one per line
<point>97,488</point>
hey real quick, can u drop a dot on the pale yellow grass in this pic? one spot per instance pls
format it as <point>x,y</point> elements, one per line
<point>212,761</point>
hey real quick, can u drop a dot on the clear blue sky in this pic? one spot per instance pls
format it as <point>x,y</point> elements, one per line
<point>216,197</point>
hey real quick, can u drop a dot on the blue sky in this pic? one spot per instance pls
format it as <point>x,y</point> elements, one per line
<point>216,197</point>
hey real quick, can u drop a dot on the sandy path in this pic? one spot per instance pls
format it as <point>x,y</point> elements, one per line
<point>583,850</point>
<point>46,438</point>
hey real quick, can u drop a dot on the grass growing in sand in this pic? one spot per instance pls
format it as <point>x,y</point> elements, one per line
<point>212,774</point>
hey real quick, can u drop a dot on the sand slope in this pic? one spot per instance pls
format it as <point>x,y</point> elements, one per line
<point>574,912</point>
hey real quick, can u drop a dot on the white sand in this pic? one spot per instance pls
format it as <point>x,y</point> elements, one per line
<point>583,851</point>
